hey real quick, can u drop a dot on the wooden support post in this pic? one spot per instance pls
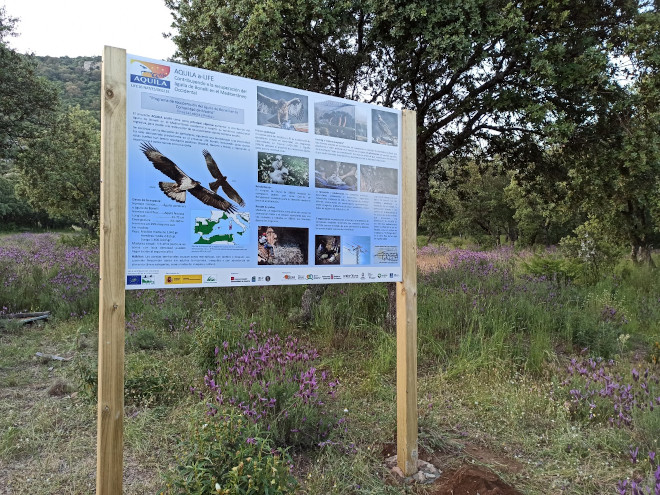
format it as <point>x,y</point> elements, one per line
<point>110,428</point>
<point>406,305</point>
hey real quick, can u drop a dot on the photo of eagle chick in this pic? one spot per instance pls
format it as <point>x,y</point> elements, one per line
<point>177,190</point>
<point>221,180</point>
<point>281,108</point>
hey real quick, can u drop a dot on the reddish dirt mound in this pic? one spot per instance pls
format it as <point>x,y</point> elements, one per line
<point>472,480</point>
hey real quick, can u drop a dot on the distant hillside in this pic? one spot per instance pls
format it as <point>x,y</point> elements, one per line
<point>79,80</point>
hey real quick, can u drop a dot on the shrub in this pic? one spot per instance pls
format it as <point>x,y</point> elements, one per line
<point>147,381</point>
<point>552,267</point>
<point>275,383</point>
<point>227,455</point>
<point>599,394</point>
<point>592,248</point>
<point>145,339</point>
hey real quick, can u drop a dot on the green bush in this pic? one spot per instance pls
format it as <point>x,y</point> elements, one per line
<point>552,267</point>
<point>226,454</point>
<point>147,380</point>
<point>145,339</point>
<point>592,249</point>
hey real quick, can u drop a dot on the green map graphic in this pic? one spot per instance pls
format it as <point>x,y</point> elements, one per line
<point>218,227</point>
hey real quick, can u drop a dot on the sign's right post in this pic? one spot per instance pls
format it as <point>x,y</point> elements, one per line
<point>406,304</point>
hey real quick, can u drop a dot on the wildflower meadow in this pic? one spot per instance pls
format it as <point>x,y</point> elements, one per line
<point>535,371</point>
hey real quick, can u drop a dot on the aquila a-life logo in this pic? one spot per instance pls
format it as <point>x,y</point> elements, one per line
<point>150,74</point>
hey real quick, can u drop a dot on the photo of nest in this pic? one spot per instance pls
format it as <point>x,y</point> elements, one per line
<point>378,179</point>
<point>287,170</point>
<point>282,245</point>
<point>282,110</point>
<point>384,128</point>
<point>330,174</point>
<point>339,119</point>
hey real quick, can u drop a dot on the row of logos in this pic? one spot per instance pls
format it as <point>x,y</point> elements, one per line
<point>148,280</point>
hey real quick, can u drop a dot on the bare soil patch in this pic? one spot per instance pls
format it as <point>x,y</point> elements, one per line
<point>472,480</point>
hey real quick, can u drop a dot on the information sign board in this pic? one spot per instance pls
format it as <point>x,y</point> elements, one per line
<point>232,181</point>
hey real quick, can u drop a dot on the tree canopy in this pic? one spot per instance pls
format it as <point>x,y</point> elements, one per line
<point>481,74</point>
<point>78,80</point>
<point>27,102</point>
<point>59,171</point>
<point>310,44</point>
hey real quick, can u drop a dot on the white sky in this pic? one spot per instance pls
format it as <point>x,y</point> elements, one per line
<point>82,27</point>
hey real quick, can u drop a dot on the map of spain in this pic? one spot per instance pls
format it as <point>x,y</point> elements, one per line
<point>221,228</point>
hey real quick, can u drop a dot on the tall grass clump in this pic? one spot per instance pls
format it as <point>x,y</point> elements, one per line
<point>40,273</point>
<point>503,305</point>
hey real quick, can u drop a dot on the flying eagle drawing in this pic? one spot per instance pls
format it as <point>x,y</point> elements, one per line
<point>221,180</point>
<point>177,190</point>
<point>281,108</point>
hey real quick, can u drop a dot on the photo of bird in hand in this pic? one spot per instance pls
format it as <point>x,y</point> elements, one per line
<point>221,180</point>
<point>183,183</point>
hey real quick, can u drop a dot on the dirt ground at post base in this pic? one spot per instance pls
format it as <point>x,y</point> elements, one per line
<point>471,480</point>
<point>467,474</point>
<point>464,471</point>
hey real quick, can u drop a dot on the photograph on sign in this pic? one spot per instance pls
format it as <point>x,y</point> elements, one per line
<point>232,181</point>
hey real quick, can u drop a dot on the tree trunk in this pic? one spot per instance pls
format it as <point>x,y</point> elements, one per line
<point>634,253</point>
<point>390,315</point>
<point>310,299</point>
<point>645,256</point>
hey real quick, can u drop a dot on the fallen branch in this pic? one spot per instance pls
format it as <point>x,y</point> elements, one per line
<point>24,318</point>
<point>52,356</point>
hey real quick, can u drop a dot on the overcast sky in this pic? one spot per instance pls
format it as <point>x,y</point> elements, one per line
<point>82,27</point>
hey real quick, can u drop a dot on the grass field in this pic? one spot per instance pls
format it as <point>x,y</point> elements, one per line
<point>548,382</point>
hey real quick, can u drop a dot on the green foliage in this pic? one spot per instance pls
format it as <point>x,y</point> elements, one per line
<point>147,381</point>
<point>539,219</point>
<point>275,382</point>
<point>480,74</point>
<point>475,194</point>
<point>145,339</point>
<point>488,338</point>
<point>78,80</point>
<point>59,171</point>
<point>227,455</point>
<point>310,45</point>
<point>593,248</point>
<point>553,267</point>
<point>41,275</point>
<point>491,76</point>
<point>481,310</point>
<point>15,213</point>
<point>27,102</point>
<point>212,331</point>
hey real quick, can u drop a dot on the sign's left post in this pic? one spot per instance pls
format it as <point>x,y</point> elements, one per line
<point>112,267</point>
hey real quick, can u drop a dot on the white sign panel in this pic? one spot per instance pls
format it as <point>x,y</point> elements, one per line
<point>233,181</point>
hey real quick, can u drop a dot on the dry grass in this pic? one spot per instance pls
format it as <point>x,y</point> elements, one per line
<point>48,431</point>
<point>429,263</point>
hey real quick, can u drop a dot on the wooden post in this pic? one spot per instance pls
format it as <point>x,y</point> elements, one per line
<point>110,427</point>
<point>406,305</point>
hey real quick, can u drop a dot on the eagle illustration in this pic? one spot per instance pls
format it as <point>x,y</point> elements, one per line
<point>177,190</point>
<point>221,180</point>
<point>282,108</point>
